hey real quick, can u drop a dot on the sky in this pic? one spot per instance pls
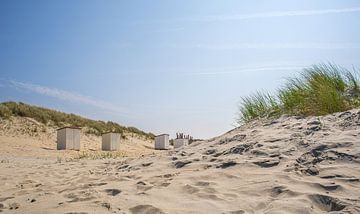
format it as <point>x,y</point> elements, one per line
<point>166,66</point>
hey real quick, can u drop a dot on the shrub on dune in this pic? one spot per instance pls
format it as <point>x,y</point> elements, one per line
<point>4,112</point>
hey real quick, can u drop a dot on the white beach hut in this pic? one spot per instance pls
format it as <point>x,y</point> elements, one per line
<point>181,142</point>
<point>162,141</point>
<point>68,138</point>
<point>111,141</point>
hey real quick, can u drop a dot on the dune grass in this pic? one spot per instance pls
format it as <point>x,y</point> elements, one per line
<point>99,155</point>
<point>317,90</point>
<point>259,104</point>
<point>59,119</point>
<point>92,155</point>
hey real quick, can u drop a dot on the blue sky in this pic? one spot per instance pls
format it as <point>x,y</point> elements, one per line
<point>166,66</point>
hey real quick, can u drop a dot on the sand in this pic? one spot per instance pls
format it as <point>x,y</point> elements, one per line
<point>287,165</point>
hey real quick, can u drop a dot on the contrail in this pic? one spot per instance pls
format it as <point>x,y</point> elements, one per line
<point>239,46</point>
<point>245,70</point>
<point>269,15</point>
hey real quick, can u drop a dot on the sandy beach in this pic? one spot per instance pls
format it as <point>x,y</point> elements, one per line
<point>287,165</point>
<point>179,107</point>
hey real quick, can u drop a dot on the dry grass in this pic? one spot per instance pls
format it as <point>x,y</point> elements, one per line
<point>93,155</point>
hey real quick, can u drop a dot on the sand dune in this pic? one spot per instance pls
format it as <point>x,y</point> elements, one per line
<point>26,137</point>
<point>287,165</point>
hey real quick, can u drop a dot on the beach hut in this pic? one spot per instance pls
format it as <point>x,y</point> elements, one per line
<point>111,141</point>
<point>68,138</point>
<point>162,141</point>
<point>181,142</point>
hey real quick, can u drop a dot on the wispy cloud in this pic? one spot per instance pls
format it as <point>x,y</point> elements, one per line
<point>66,96</point>
<point>100,104</point>
<point>240,46</point>
<point>244,69</point>
<point>238,17</point>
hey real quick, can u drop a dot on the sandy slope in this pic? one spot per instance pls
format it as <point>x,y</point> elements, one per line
<point>289,165</point>
<point>26,137</point>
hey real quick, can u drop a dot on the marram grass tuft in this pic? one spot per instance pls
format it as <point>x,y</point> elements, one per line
<point>318,90</point>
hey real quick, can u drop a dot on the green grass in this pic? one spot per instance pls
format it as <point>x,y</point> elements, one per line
<point>59,119</point>
<point>317,90</point>
<point>257,105</point>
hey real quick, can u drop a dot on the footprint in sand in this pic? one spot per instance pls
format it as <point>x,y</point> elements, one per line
<point>113,192</point>
<point>329,186</point>
<point>226,164</point>
<point>202,183</point>
<point>81,196</point>
<point>237,212</point>
<point>180,164</point>
<point>190,189</point>
<point>141,185</point>
<point>205,186</point>
<point>267,163</point>
<point>146,209</point>
<point>327,203</point>
<point>146,164</point>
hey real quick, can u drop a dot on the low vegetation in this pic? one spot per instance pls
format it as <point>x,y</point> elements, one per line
<point>318,90</point>
<point>91,155</point>
<point>59,119</point>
